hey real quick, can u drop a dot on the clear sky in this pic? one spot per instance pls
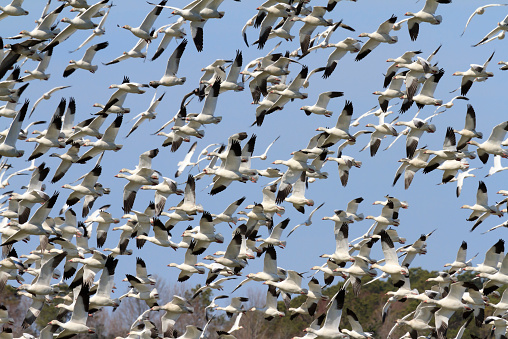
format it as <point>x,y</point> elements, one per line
<point>430,206</point>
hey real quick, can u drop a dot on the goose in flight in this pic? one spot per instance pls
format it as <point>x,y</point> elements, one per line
<point>134,52</point>
<point>330,328</point>
<point>474,72</point>
<point>82,21</point>
<point>149,114</point>
<point>144,30</point>
<point>480,10</point>
<point>382,34</point>
<point>170,32</point>
<point>169,78</point>
<point>493,144</point>
<point>98,31</point>
<point>469,130</point>
<point>85,62</point>
<point>8,145</point>
<point>426,14</point>
<point>501,27</point>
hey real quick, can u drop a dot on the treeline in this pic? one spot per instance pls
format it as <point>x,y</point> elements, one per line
<point>368,306</point>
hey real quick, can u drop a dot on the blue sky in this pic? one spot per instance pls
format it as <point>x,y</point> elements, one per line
<point>431,206</point>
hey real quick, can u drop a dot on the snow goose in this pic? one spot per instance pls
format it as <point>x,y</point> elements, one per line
<point>143,31</point>
<point>188,204</point>
<point>475,71</point>
<point>227,215</point>
<point>85,62</point>
<point>229,172</point>
<point>449,152</point>
<point>311,21</point>
<point>231,81</point>
<point>320,106</point>
<point>492,258</point>
<point>482,204</point>
<point>307,222</point>
<point>426,14</point>
<point>392,266</point>
<point>341,254</point>
<point>234,307</point>
<point>77,323</point>
<point>162,191</point>
<point>104,220</point>
<point>468,132</point>
<point>8,145</point>
<point>82,21</point>
<point>88,187</point>
<point>420,321</point>
<point>170,78</point>
<point>480,10</point>
<point>51,137</point>
<point>204,235</point>
<point>41,284</point>
<point>377,37</point>
<point>330,328</point>
<point>345,163</point>
<point>381,130</point>
<point>106,143</point>
<point>393,91</point>
<point>501,306</point>
<point>213,285</point>
<point>134,52</point>
<point>40,71</point>
<point>271,14</point>
<point>206,116</point>
<point>274,238</point>
<point>170,32</point>
<point>230,257</point>
<point>291,92</point>
<point>98,31</point>
<point>292,284</point>
<point>144,176</point>
<point>451,168</point>
<point>269,269</point>
<point>33,226</point>
<point>460,261</point>
<point>356,331</point>
<point>426,95</point>
<point>103,296</point>
<point>43,30</point>
<point>341,129</point>
<point>297,198</point>
<point>496,167</point>
<point>416,128</point>
<point>495,280</point>
<point>493,144</point>
<point>501,27</point>
<point>270,310</point>
<point>12,9</point>
<point>449,305</point>
<point>341,48</point>
<point>405,59</point>
<point>296,165</point>
<point>88,127</point>
<point>149,114</point>
<point>188,267</point>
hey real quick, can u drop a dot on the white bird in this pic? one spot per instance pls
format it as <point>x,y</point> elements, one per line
<point>382,34</point>
<point>85,62</point>
<point>307,222</point>
<point>169,78</point>
<point>149,114</point>
<point>98,31</point>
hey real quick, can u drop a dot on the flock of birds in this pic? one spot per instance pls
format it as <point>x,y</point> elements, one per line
<point>88,277</point>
